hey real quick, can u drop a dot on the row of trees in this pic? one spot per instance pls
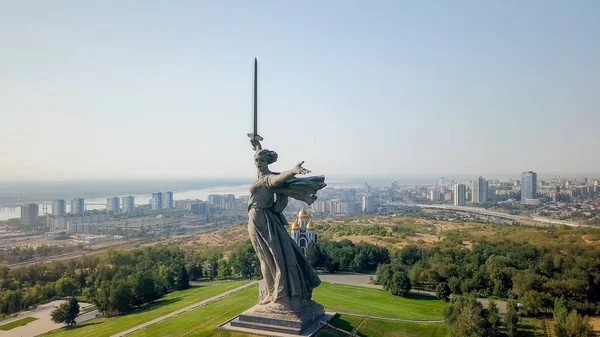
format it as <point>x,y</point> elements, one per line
<point>466,317</point>
<point>535,275</point>
<point>346,256</point>
<point>122,280</point>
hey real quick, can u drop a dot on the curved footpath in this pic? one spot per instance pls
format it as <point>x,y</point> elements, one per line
<point>182,310</point>
<point>393,319</point>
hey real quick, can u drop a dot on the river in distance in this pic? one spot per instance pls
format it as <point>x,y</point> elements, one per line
<point>99,203</point>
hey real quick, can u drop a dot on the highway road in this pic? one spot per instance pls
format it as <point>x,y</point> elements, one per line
<point>483,211</point>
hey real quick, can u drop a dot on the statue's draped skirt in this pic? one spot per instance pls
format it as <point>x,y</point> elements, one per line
<point>286,272</point>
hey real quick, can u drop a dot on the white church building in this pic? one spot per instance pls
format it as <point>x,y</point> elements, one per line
<point>303,230</point>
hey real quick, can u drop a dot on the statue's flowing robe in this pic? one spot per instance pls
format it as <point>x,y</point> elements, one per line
<point>286,272</point>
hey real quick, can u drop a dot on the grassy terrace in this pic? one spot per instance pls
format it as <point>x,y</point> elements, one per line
<point>176,300</point>
<point>374,327</point>
<point>204,320</point>
<point>376,302</point>
<point>17,323</point>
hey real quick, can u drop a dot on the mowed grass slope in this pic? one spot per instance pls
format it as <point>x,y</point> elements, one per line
<point>107,326</point>
<point>204,320</point>
<point>375,302</point>
<point>17,323</point>
<point>374,327</point>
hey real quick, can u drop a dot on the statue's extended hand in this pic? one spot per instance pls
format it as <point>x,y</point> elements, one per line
<point>301,170</point>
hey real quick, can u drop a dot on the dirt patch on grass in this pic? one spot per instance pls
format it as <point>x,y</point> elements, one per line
<point>391,241</point>
<point>590,239</point>
<point>595,323</point>
<point>219,238</point>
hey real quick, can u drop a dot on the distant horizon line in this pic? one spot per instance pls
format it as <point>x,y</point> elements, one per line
<point>336,177</point>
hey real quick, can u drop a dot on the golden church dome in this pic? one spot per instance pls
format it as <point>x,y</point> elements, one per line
<point>310,226</point>
<point>295,226</point>
<point>303,214</point>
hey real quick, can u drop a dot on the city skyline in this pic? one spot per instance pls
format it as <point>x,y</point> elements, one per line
<point>387,90</point>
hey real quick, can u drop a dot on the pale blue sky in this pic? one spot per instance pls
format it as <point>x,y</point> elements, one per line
<point>144,89</point>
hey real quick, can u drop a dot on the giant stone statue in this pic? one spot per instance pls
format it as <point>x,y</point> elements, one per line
<point>285,291</point>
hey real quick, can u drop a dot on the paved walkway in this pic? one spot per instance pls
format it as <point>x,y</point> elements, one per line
<point>393,319</point>
<point>180,311</point>
<point>43,323</point>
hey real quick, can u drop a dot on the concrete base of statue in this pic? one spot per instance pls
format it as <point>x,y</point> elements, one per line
<point>274,320</point>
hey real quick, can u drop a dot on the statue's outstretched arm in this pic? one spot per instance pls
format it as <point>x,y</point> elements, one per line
<point>278,180</point>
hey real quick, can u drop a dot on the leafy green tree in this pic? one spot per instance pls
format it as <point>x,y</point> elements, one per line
<point>570,324</point>
<point>527,280</point>
<point>195,271</point>
<point>400,284</point>
<point>59,314</point>
<point>72,311</point>
<point>360,263</point>
<point>410,255</point>
<point>166,278</point>
<point>66,312</point>
<point>224,271</point>
<point>243,261</point>
<point>66,286</point>
<point>384,275</point>
<point>532,302</point>
<point>443,292</point>
<point>466,317</point>
<point>314,254</point>
<point>145,289</point>
<point>493,319</point>
<point>182,280</point>
<point>511,319</point>
<point>578,326</point>
<point>121,296</point>
<point>454,284</point>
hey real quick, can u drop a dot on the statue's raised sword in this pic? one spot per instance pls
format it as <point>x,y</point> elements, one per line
<point>255,139</point>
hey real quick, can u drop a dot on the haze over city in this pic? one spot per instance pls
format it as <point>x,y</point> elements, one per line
<point>141,90</point>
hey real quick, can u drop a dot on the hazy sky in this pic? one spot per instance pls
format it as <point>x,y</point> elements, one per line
<point>143,89</point>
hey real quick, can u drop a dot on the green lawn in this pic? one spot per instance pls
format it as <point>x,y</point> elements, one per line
<point>204,320</point>
<point>17,323</point>
<point>171,302</point>
<point>377,302</point>
<point>374,327</point>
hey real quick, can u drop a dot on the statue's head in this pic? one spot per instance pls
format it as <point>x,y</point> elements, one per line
<point>263,158</point>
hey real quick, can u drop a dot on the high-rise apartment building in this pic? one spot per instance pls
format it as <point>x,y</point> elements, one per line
<point>77,206</point>
<point>460,193</point>
<point>59,207</point>
<point>29,214</point>
<point>480,191</point>
<point>528,186</point>
<point>434,195</point>
<point>214,199</point>
<point>128,204</point>
<point>167,200</point>
<point>368,204</point>
<point>112,204</point>
<point>157,202</point>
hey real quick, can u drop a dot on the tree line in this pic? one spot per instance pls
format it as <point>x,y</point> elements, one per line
<point>122,280</point>
<point>345,255</point>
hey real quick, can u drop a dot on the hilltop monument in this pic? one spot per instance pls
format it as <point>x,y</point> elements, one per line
<point>285,306</point>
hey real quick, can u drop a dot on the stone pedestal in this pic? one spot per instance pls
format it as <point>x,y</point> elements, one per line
<point>269,321</point>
